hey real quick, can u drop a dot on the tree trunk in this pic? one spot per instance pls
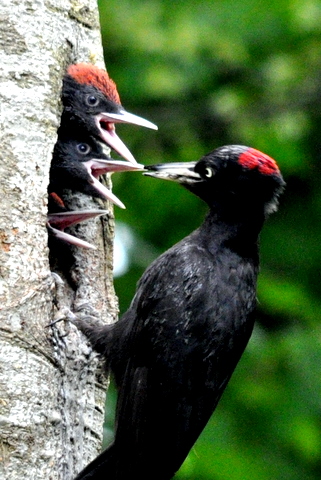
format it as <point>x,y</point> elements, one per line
<point>51,396</point>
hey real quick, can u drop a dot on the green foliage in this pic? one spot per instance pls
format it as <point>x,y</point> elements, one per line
<point>224,72</point>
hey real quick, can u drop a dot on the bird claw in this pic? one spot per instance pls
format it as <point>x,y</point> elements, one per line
<point>84,316</point>
<point>57,286</point>
<point>86,309</point>
<point>87,317</point>
<point>63,314</point>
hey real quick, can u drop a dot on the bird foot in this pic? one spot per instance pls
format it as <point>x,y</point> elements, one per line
<point>87,319</point>
<point>63,312</point>
<point>84,316</point>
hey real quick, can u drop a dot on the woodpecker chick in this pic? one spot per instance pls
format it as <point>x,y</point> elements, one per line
<point>175,349</point>
<point>91,97</point>
<point>78,160</point>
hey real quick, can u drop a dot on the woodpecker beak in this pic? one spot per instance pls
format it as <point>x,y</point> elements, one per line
<point>98,167</point>
<point>125,117</point>
<point>63,220</point>
<point>57,222</point>
<point>109,136</point>
<point>183,173</point>
<point>65,237</point>
<point>105,123</point>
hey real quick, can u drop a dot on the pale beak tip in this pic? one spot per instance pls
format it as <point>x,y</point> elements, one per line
<point>139,167</point>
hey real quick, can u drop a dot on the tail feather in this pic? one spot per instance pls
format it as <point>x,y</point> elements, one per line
<point>102,467</point>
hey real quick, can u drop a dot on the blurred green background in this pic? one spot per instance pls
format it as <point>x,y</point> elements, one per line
<point>210,73</point>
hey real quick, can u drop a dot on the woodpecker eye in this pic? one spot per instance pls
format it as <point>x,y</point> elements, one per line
<point>208,172</point>
<point>83,148</point>
<point>92,100</point>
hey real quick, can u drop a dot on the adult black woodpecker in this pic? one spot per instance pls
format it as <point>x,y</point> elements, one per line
<point>91,97</point>
<point>78,160</point>
<point>173,352</point>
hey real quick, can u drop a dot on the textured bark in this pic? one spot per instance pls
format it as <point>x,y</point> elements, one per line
<point>51,396</point>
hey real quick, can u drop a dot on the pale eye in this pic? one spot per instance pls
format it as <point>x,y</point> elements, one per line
<point>92,100</point>
<point>83,148</point>
<point>208,172</point>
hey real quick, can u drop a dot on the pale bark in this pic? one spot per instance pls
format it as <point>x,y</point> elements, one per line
<point>51,397</point>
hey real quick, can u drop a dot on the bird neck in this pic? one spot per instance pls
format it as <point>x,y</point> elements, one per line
<point>239,234</point>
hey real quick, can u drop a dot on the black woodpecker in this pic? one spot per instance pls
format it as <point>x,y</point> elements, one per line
<point>173,352</point>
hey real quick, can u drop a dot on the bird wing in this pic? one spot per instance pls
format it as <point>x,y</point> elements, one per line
<point>184,338</point>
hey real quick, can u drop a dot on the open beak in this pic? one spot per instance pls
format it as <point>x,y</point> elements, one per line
<point>106,125</point>
<point>100,167</point>
<point>97,167</point>
<point>63,220</point>
<point>182,172</point>
<point>57,222</point>
<point>125,117</point>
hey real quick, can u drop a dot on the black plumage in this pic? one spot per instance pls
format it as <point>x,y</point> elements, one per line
<point>175,349</point>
